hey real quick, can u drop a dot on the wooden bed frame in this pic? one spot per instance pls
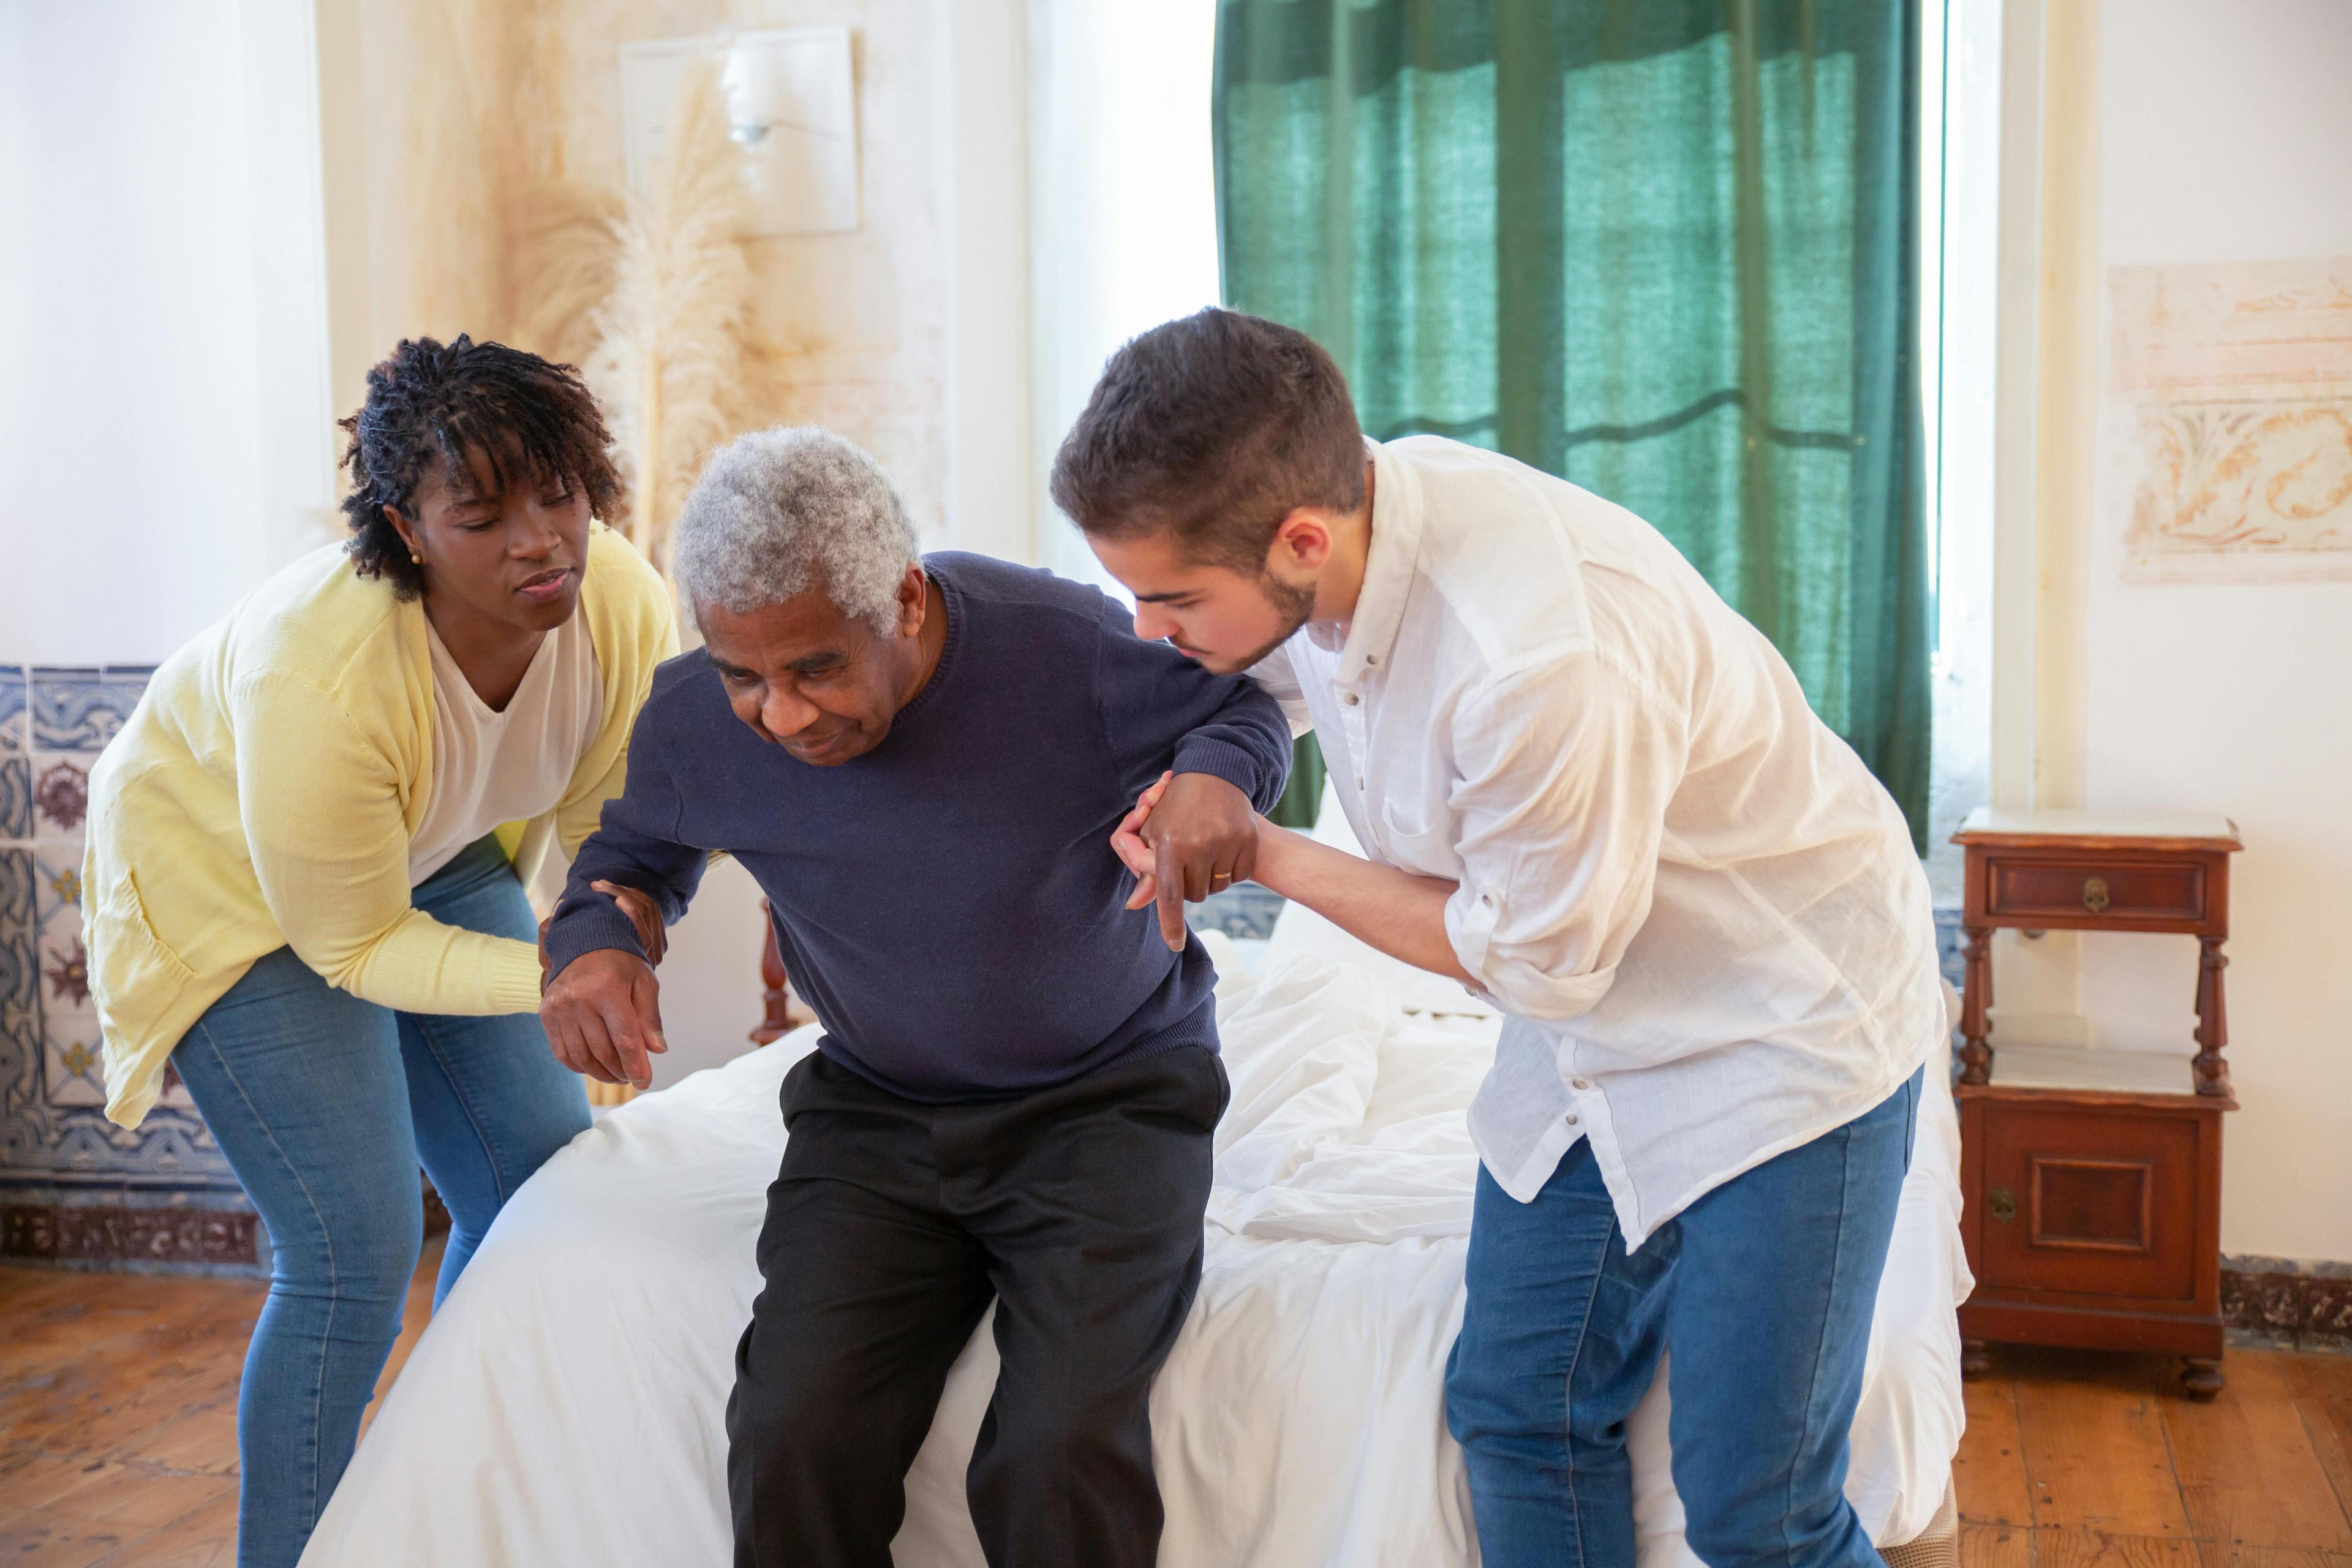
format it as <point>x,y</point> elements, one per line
<point>781,1012</point>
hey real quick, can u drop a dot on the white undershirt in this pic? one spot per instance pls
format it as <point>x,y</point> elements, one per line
<point>491,767</point>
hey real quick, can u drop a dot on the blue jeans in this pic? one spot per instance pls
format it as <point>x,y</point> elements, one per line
<point>325,1106</point>
<point>1763,1289</point>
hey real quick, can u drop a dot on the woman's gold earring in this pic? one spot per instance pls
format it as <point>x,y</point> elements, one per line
<point>416,557</point>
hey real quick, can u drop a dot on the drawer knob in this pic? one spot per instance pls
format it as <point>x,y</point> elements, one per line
<point>2095,893</point>
<point>2003,1205</point>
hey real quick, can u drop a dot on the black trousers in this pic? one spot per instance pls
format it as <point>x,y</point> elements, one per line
<point>890,1227</point>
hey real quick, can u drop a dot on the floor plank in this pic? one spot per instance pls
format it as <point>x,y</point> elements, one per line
<point>2061,1547</point>
<point>2219,1554</point>
<point>37,1480</point>
<point>2321,1387</point>
<point>145,1497</point>
<point>205,1539</point>
<point>2094,1446</point>
<point>1989,1475</point>
<point>2249,1474</point>
<point>1995,1546</point>
<point>118,1415</point>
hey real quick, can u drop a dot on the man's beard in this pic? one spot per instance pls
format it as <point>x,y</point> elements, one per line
<point>1294,606</point>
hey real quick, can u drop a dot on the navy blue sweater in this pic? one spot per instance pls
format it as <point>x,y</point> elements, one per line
<point>949,902</point>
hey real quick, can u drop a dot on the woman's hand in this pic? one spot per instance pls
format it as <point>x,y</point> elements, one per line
<point>644,913</point>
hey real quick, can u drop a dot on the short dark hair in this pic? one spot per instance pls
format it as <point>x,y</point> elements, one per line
<point>1213,428</point>
<point>430,402</point>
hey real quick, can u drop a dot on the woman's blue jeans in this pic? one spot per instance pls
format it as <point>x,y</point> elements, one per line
<point>1763,1291</point>
<point>325,1106</point>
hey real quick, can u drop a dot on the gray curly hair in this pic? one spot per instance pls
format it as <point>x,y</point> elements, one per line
<point>779,511</point>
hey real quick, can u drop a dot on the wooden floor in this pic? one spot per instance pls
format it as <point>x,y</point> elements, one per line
<point>118,1441</point>
<point>118,1415</point>
<point>2073,1459</point>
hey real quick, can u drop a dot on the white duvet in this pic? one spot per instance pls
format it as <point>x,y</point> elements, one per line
<point>566,1407</point>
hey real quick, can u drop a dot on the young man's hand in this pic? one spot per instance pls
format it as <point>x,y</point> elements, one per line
<point>603,1017</point>
<point>1190,834</point>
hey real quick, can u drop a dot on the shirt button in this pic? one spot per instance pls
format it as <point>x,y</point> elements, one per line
<point>1486,900</point>
<point>1371,658</point>
<point>1350,698</point>
<point>1579,1083</point>
<point>1359,781</point>
<point>1571,1119</point>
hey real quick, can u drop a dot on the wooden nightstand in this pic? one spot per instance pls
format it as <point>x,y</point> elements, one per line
<point>2092,1178</point>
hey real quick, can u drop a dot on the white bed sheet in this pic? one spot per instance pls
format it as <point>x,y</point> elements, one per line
<point>567,1404</point>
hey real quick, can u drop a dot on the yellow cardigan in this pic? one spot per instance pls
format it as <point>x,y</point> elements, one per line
<point>264,792</point>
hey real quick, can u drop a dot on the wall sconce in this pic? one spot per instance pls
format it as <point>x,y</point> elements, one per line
<point>792,107</point>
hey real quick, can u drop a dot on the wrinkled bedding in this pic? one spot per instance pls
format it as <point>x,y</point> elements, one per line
<point>567,1404</point>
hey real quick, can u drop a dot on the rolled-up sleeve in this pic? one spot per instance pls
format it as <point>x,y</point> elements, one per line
<point>1565,772</point>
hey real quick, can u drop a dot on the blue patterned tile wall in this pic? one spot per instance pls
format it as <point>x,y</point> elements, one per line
<point>57,1151</point>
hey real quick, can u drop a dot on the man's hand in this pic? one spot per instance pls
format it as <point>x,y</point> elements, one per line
<point>602,1015</point>
<point>1190,834</point>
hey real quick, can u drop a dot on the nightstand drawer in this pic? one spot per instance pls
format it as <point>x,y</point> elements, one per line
<point>2114,892</point>
<point>2087,1200</point>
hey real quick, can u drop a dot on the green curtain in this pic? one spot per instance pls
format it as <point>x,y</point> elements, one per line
<point>1664,248</point>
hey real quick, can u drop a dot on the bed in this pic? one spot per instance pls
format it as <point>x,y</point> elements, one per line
<point>567,1404</point>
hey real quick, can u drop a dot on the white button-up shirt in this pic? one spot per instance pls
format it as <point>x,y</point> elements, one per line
<point>1700,911</point>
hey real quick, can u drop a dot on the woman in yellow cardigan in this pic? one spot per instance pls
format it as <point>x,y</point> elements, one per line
<point>306,859</point>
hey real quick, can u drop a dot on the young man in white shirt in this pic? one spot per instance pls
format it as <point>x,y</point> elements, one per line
<point>1594,794</point>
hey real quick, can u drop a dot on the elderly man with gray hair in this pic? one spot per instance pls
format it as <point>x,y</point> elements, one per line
<point>922,760</point>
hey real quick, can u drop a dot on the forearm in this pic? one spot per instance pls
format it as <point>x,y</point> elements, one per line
<point>1400,914</point>
<point>419,964</point>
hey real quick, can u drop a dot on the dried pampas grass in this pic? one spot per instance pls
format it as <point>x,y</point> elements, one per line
<point>560,259</point>
<point>671,334</point>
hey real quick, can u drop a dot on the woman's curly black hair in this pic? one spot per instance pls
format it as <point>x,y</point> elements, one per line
<point>433,401</point>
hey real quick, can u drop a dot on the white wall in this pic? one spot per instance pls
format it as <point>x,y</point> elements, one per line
<point>162,422</point>
<point>1123,219</point>
<point>2223,136</point>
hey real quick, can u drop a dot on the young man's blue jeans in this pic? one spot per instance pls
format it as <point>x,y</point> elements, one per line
<point>325,1106</point>
<point>1763,1289</point>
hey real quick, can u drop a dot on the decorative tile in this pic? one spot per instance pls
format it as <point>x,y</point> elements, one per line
<point>60,798</point>
<point>2289,1304</point>
<point>14,737</point>
<point>20,1007</point>
<point>64,967</point>
<point>72,1183</point>
<point>79,709</point>
<point>114,1233</point>
<point>2327,1318</point>
<point>56,891</point>
<point>18,908</point>
<point>75,1074</point>
<point>2268,1301</point>
<point>15,797</point>
<point>175,1088</point>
